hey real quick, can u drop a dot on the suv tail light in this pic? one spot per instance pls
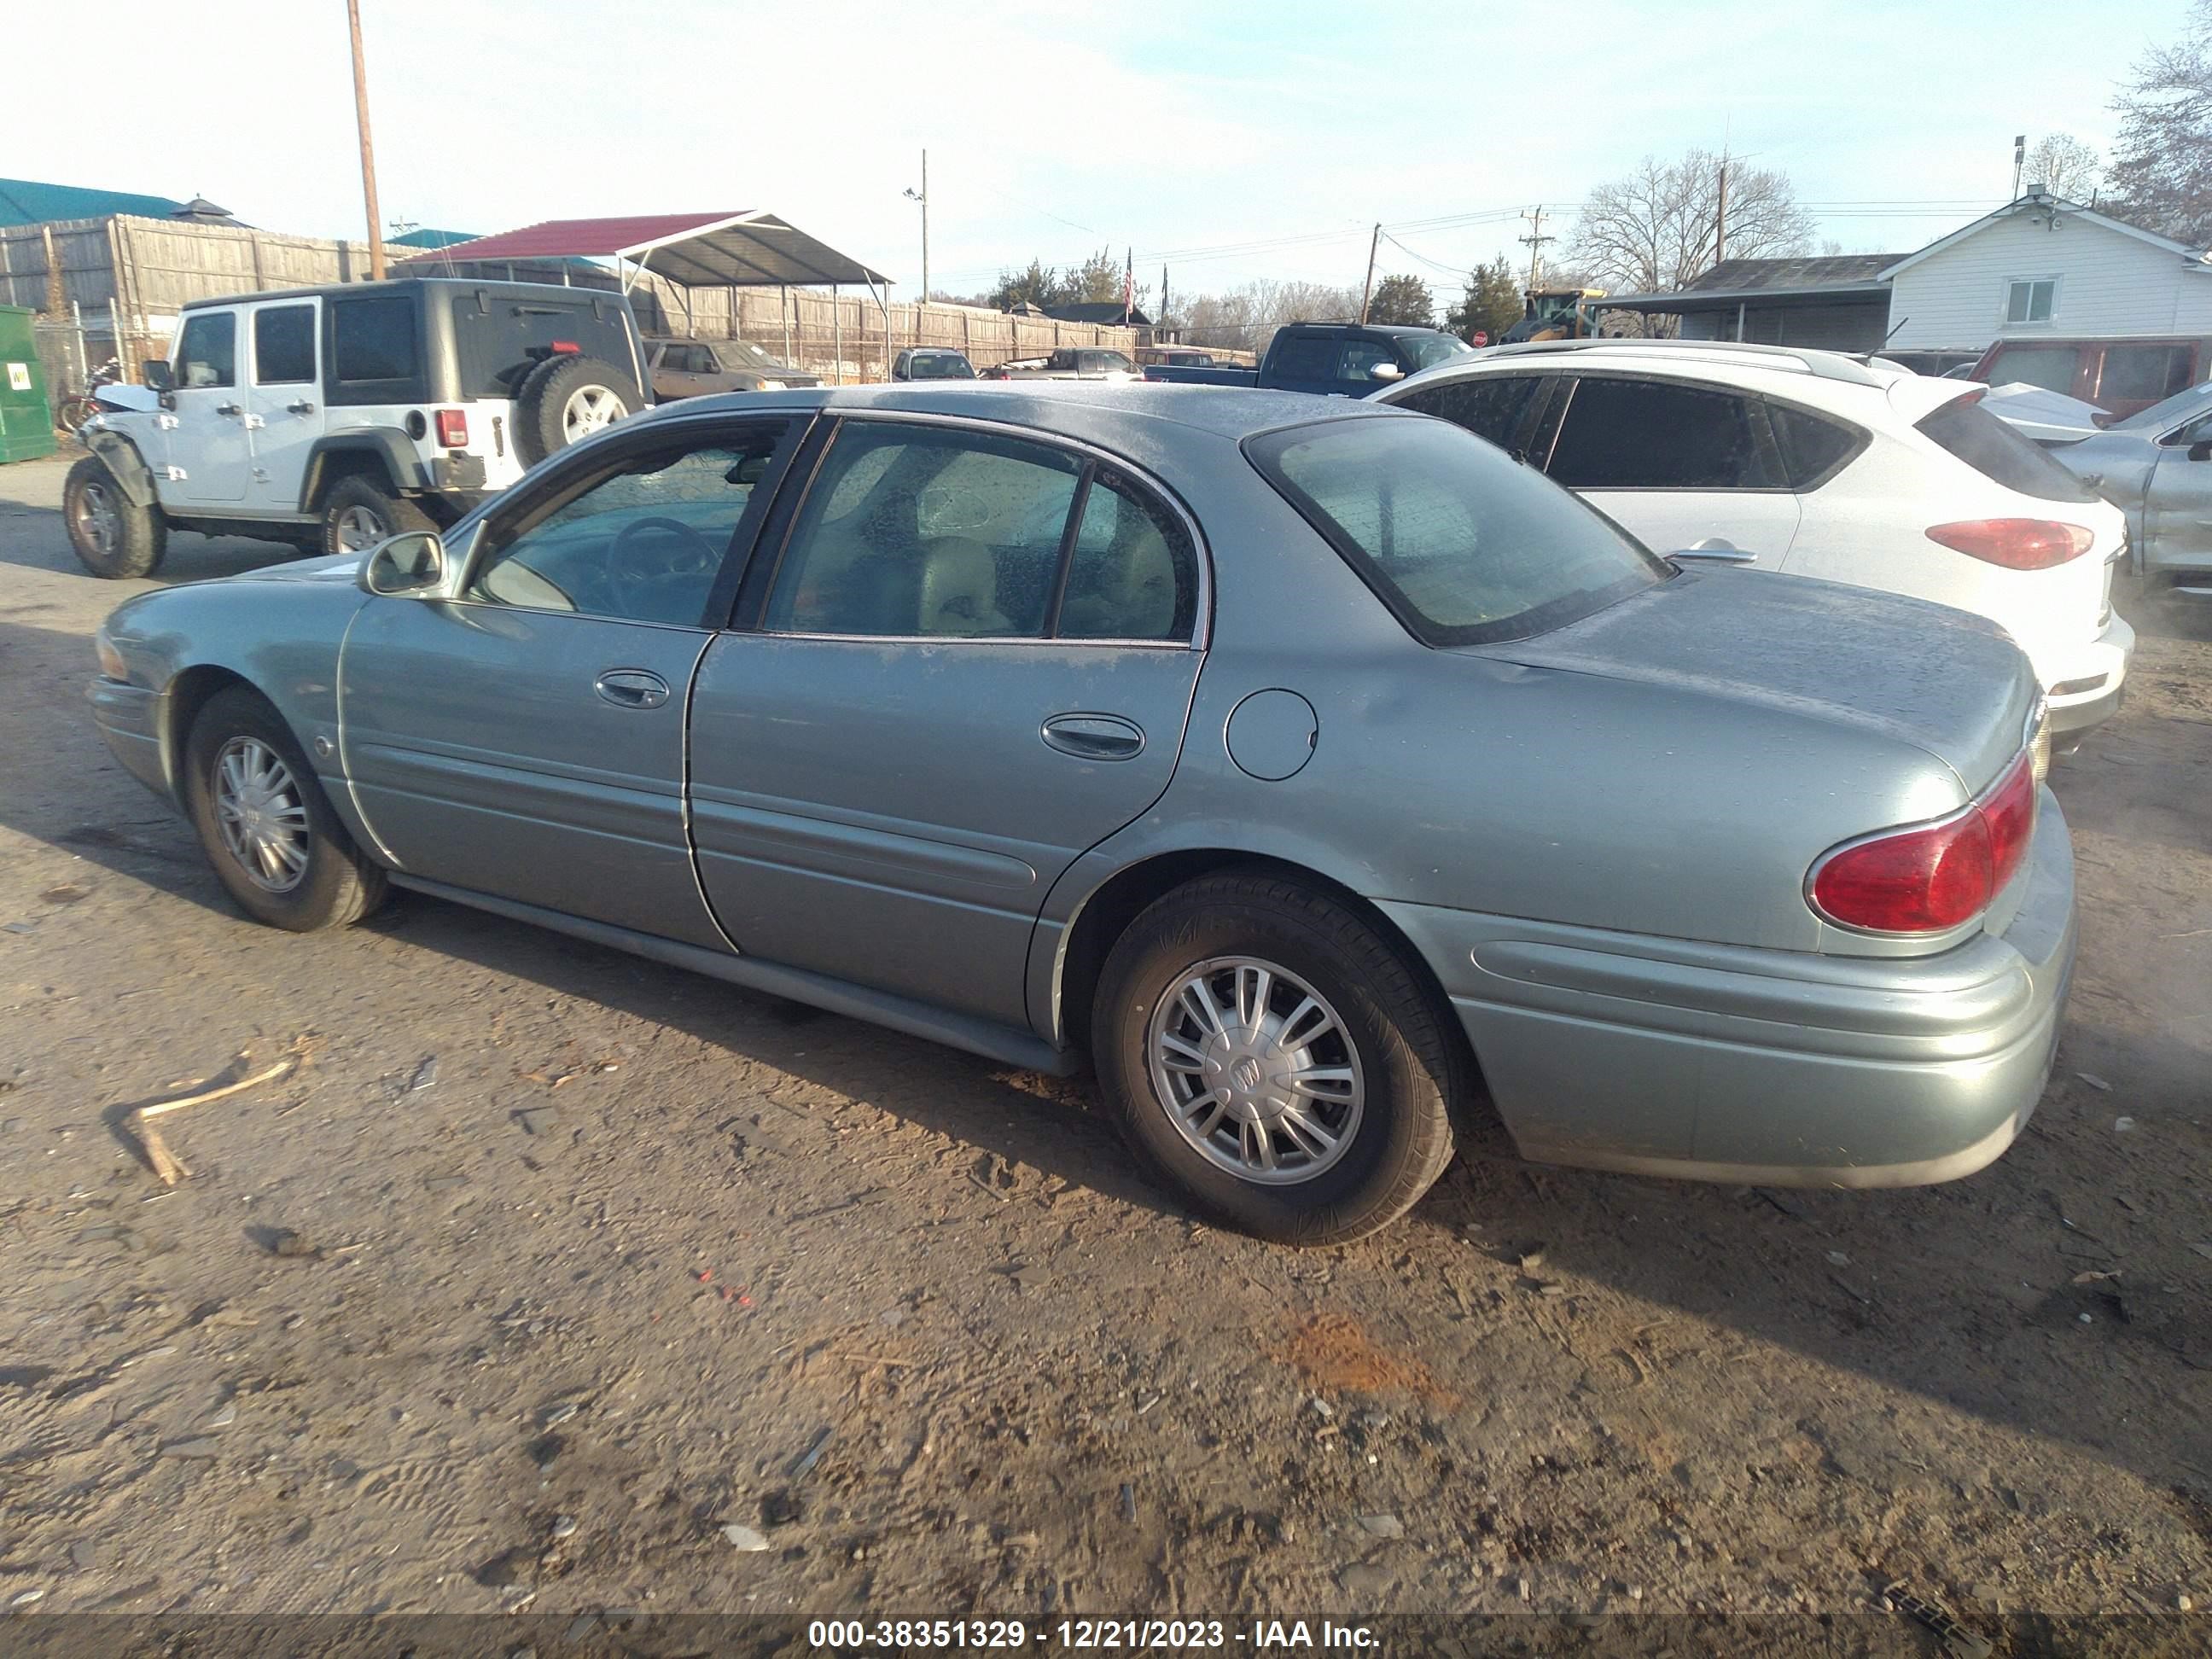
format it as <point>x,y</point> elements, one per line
<point>566,348</point>
<point>453,427</point>
<point>1930,878</point>
<point>2016,543</point>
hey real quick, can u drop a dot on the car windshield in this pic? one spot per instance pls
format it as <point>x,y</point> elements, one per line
<point>2169,411</point>
<point>1466,546</point>
<point>1428,351</point>
<point>940,365</point>
<point>743,354</point>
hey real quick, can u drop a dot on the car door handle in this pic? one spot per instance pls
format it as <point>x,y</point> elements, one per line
<point>226,409</point>
<point>303,407</point>
<point>631,688</point>
<point>1095,737</point>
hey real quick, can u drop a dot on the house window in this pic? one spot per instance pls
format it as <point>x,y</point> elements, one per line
<point>2030,300</point>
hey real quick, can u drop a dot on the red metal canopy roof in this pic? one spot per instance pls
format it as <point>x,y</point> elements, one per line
<point>694,250</point>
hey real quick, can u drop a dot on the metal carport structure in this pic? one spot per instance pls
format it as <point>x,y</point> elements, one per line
<point>751,249</point>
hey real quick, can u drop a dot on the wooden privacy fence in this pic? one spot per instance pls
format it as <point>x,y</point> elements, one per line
<point>141,272</point>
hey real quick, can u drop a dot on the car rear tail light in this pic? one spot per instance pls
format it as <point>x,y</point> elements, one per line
<point>1931,877</point>
<point>2016,543</point>
<point>566,347</point>
<point>453,427</point>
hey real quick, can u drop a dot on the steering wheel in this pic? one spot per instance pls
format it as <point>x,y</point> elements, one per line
<point>949,509</point>
<point>655,561</point>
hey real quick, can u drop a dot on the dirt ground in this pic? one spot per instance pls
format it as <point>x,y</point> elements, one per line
<point>552,1264</point>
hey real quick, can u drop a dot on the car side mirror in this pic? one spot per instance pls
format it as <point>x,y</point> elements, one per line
<point>154,371</point>
<point>1386,372</point>
<point>411,565</point>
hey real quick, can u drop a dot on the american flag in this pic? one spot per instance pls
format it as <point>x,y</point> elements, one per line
<point>1129,285</point>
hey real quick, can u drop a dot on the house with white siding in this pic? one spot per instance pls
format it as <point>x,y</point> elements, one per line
<point>2044,267</point>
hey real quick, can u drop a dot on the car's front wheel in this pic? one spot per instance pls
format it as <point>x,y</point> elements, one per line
<point>274,842</point>
<point>1276,1059</point>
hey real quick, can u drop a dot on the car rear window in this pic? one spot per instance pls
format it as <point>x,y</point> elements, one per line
<point>1813,446</point>
<point>1464,545</point>
<point>499,338</point>
<point>1966,429</point>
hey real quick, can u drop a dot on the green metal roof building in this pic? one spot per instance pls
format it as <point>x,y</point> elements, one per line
<point>27,202</point>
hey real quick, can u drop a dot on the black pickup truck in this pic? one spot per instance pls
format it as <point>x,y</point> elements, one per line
<point>1343,360</point>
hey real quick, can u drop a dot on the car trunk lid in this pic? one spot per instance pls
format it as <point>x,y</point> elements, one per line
<point>1947,681</point>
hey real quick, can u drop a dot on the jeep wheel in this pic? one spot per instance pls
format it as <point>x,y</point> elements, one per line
<point>357,515</point>
<point>567,398</point>
<point>111,534</point>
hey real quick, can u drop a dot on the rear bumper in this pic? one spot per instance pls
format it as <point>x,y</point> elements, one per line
<point>2084,684</point>
<point>1674,1058</point>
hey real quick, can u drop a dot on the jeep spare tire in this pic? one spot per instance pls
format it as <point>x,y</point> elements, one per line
<point>568,397</point>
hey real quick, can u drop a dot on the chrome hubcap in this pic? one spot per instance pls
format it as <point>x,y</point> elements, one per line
<point>261,815</point>
<point>1255,1070</point>
<point>359,529</point>
<point>589,409</point>
<point>97,520</point>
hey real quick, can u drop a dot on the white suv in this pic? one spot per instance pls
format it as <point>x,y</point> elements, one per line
<point>333,417</point>
<point>1818,464</point>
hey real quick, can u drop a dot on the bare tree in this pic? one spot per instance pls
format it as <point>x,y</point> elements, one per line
<point>2162,166</point>
<point>1656,229</point>
<point>2062,165</point>
<point>1246,318</point>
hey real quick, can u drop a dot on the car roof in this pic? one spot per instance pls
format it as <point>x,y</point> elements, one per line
<point>1075,408</point>
<point>407,285</point>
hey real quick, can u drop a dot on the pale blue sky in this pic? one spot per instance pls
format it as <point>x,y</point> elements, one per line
<point>1193,130</point>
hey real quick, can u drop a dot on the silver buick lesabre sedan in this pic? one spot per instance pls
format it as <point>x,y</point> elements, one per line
<point>1312,768</point>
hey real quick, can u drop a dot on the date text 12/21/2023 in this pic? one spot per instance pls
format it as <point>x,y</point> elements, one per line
<point>1084,1635</point>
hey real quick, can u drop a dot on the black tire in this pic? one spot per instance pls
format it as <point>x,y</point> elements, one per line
<point>336,885</point>
<point>352,503</point>
<point>111,534</point>
<point>541,400</point>
<point>1412,1065</point>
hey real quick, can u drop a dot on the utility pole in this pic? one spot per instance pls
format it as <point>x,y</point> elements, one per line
<point>1367,289</point>
<point>922,196</point>
<point>1720,216</point>
<point>367,152</point>
<point>1536,240</point>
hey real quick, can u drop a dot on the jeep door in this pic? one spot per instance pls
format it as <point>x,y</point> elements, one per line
<point>210,443</point>
<point>971,662</point>
<point>283,399</point>
<point>526,739</point>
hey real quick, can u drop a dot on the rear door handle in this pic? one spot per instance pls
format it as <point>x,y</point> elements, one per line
<point>1095,737</point>
<point>226,409</point>
<point>631,688</point>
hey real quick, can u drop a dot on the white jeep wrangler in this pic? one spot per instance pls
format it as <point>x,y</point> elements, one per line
<point>333,417</point>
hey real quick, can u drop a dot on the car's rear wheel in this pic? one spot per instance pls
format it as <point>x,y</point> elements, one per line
<point>357,515</point>
<point>1276,1059</point>
<point>111,534</point>
<point>566,399</point>
<point>277,845</point>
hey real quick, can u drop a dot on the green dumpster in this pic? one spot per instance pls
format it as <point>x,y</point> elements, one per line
<point>27,420</point>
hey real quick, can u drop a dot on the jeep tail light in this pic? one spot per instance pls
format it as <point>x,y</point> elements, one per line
<point>566,348</point>
<point>2016,543</point>
<point>453,427</point>
<point>1931,877</point>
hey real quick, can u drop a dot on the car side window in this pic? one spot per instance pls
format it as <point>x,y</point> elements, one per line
<point>1812,445</point>
<point>1360,358</point>
<point>1133,574</point>
<point>283,345</point>
<point>1623,434</point>
<point>641,542</point>
<point>1491,406</point>
<point>373,339</point>
<point>206,351</point>
<point>955,535</point>
<point>1307,358</point>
